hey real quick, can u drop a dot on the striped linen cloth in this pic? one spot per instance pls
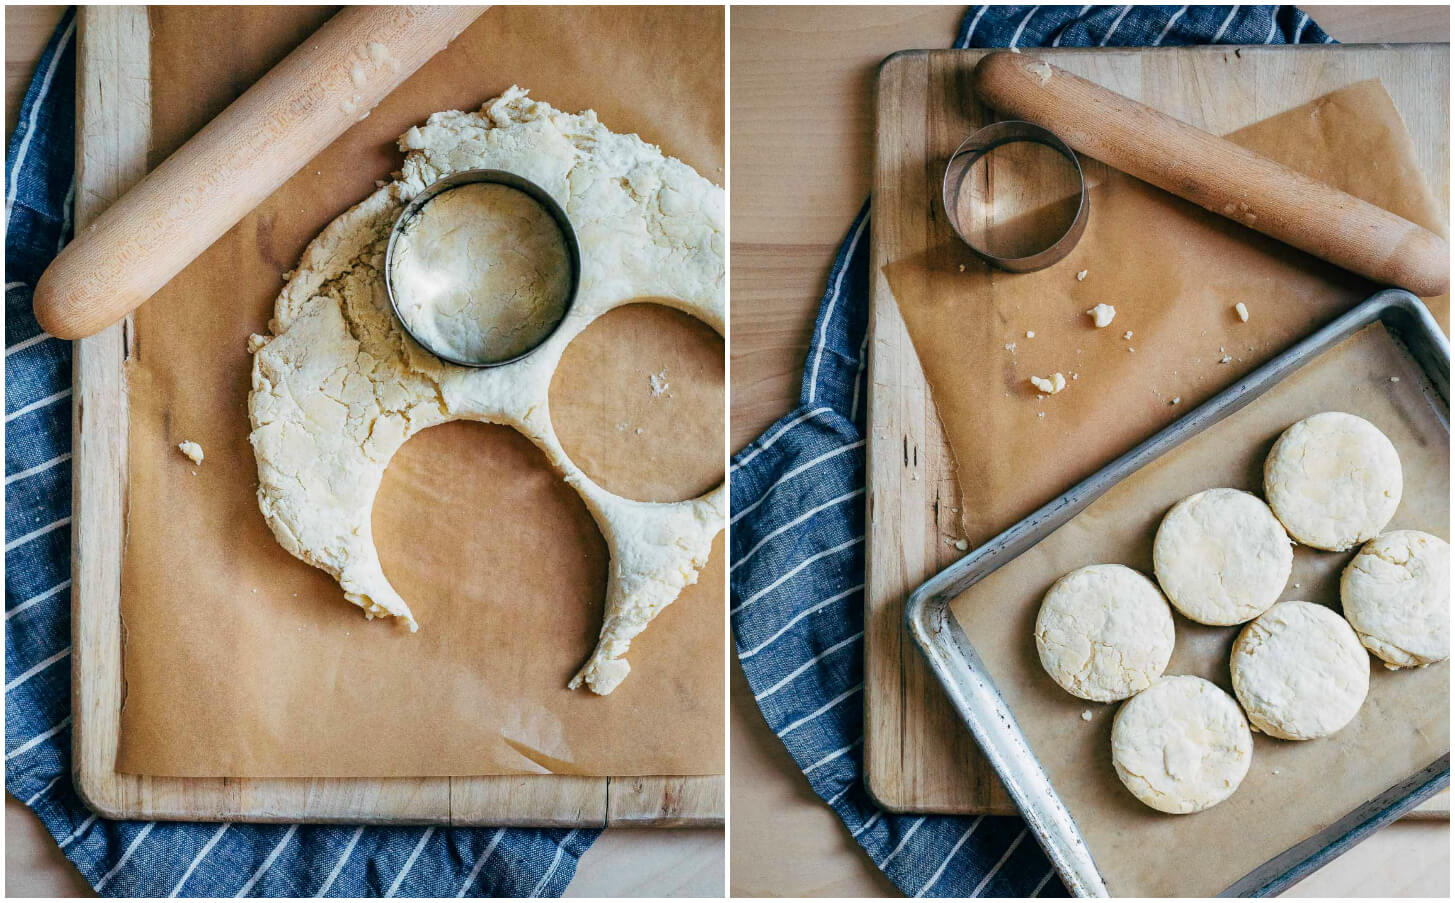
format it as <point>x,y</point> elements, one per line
<point>797,542</point>
<point>157,859</point>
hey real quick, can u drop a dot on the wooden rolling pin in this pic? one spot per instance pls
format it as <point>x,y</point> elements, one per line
<point>1216,174</point>
<point>265,136</point>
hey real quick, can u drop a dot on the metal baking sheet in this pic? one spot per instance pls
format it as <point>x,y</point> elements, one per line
<point>972,688</point>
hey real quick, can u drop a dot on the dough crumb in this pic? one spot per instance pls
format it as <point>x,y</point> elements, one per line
<point>191,449</point>
<point>1086,715</point>
<point>962,267</point>
<point>1102,315</point>
<point>1176,400</point>
<point>1394,379</point>
<point>1030,334</point>
<point>1276,771</point>
<point>1041,414</point>
<point>639,431</point>
<point>1049,386</point>
<point>256,342</point>
<point>962,544</point>
<point>1081,276</point>
<point>1041,71</point>
<point>1242,311</point>
<point>1075,375</point>
<point>1010,346</point>
<point>658,382</point>
<point>1225,359</point>
<point>1127,335</point>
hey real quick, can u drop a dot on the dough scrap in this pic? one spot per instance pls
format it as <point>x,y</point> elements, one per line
<point>1049,385</point>
<point>1181,745</point>
<point>191,450</point>
<point>1299,671</point>
<point>338,387</point>
<point>1221,557</point>
<point>1102,315</point>
<point>1396,596</point>
<point>1334,480</point>
<point>1104,632</point>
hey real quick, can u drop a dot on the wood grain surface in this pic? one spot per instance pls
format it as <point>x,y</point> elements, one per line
<point>802,139</point>
<point>113,141</point>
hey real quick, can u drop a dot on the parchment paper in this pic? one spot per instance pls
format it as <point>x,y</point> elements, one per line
<point>1173,271</point>
<point>1292,789</point>
<point>243,661</point>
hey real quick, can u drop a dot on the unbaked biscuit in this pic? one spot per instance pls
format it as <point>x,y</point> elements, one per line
<point>1104,632</point>
<point>1181,746</point>
<point>1221,557</point>
<point>1299,671</point>
<point>1396,595</point>
<point>1334,480</point>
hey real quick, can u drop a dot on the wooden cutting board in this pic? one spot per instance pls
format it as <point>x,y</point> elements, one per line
<point>918,756</point>
<point>113,136</point>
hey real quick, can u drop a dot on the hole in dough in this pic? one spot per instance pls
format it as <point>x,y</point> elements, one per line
<point>493,551</point>
<point>662,447</point>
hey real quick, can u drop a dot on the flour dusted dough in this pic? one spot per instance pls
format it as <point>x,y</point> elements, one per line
<point>1396,595</point>
<point>1222,557</point>
<point>1104,632</point>
<point>1299,671</point>
<point>481,273</point>
<point>1334,480</point>
<point>339,388</point>
<point>1182,745</point>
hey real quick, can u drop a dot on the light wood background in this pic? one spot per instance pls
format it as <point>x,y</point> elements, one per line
<point>802,145</point>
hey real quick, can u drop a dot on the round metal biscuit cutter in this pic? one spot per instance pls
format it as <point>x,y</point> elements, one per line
<point>976,147</point>
<point>493,177</point>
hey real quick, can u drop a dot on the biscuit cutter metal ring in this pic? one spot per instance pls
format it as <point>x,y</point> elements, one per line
<point>975,148</point>
<point>525,186</point>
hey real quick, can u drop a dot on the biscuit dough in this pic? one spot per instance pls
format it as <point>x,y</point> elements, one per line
<point>1396,595</point>
<point>338,387</point>
<point>1182,745</point>
<point>1104,632</point>
<point>1222,557</point>
<point>481,273</point>
<point>1299,671</point>
<point>191,450</point>
<point>1334,480</point>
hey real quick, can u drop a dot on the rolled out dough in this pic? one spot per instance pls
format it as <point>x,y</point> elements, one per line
<point>481,273</point>
<point>338,387</point>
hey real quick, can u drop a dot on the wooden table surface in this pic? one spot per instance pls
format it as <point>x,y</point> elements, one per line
<point>625,862</point>
<point>802,127</point>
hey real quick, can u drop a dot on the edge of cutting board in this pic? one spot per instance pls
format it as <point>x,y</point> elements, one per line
<point>917,755</point>
<point>112,137</point>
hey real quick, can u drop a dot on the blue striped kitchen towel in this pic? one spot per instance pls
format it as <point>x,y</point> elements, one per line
<point>157,859</point>
<point>797,570</point>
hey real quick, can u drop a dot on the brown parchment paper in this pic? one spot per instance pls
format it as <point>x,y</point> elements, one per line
<point>241,660</point>
<point>1173,271</point>
<point>1292,789</point>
